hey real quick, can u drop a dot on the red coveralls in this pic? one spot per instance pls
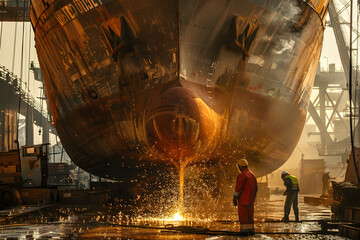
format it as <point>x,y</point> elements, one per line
<point>246,188</point>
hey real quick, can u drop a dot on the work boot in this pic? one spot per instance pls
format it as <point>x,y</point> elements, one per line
<point>297,219</point>
<point>285,219</point>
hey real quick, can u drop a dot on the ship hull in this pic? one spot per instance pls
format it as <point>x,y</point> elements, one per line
<point>137,87</point>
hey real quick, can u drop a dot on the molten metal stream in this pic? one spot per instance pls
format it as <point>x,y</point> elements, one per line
<point>181,197</point>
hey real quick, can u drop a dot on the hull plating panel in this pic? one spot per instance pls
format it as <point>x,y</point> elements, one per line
<point>136,85</point>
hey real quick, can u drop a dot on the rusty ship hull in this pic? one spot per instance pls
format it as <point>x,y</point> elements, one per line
<point>139,85</point>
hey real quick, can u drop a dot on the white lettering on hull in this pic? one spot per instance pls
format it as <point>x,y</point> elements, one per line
<point>77,7</point>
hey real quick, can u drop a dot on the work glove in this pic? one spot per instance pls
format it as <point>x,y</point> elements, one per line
<point>235,201</point>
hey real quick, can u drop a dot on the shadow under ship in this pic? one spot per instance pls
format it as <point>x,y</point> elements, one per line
<point>136,87</point>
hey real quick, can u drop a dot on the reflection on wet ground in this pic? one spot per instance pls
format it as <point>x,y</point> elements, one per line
<point>114,222</point>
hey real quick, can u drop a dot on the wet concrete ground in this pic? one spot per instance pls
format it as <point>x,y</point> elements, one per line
<point>114,222</point>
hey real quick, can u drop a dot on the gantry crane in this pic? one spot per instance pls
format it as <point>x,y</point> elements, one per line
<point>328,83</point>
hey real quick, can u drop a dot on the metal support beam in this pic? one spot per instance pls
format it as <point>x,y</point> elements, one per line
<point>335,110</point>
<point>14,10</point>
<point>29,128</point>
<point>45,133</point>
<point>340,40</point>
<point>325,135</point>
<point>2,128</point>
<point>322,91</point>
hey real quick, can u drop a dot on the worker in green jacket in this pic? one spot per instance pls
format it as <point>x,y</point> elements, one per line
<point>292,189</point>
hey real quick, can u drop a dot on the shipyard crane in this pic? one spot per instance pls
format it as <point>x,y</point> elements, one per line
<point>347,50</point>
<point>347,53</point>
<point>328,109</point>
<point>336,20</point>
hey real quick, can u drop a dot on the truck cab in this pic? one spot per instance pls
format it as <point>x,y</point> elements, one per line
<point>23,175</point>
<point>34,165</point>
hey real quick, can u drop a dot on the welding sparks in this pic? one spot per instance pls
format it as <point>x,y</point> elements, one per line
<point>177,217</point>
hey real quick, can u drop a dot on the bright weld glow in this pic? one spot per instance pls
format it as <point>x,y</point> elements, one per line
<point>177,217</point>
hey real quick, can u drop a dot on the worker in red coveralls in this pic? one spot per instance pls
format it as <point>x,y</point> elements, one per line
<point>244,197</point>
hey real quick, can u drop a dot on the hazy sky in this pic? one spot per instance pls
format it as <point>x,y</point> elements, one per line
<point>329,52</point>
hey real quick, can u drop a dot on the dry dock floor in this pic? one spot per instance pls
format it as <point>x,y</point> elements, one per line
<point>114,222</point>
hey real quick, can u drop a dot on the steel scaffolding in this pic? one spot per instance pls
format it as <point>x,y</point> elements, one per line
<point>14,10</point>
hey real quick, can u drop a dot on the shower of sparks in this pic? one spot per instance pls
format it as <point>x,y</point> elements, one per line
<point>177,217</point>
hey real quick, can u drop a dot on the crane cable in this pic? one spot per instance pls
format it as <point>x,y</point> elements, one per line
<point>17,83</point>
<point>29,61</point>
<point>22,49</point>
<point>357,58</point>
<point>13,60</point>
<point>2,18</point>
<point>28,83</point>
<point>351,96</point>
<point>1,30</point>
<point>21,74</point>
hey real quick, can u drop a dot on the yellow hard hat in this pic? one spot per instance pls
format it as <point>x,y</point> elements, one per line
<point>242,162</point>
